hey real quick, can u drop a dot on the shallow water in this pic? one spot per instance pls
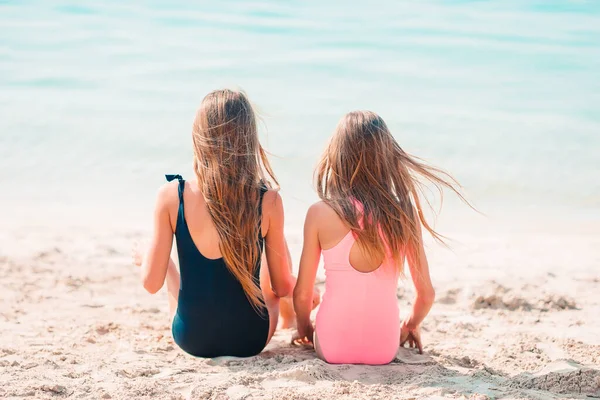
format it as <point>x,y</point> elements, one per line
<point>97,99</point>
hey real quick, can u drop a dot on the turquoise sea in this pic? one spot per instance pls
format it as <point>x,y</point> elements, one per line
<point>97,98</point>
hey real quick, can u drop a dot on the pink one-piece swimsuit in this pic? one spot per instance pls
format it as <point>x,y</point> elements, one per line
<point>358,321</point>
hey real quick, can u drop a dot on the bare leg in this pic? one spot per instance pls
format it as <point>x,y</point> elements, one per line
<point>271,301</point>
<point>173,281</point>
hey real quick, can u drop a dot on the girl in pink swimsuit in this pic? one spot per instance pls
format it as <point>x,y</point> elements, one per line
<point>366,225</point>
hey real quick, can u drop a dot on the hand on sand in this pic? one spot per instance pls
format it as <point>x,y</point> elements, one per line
<point>304,337</point>
<point>412,336</point>
<point>137,254</point>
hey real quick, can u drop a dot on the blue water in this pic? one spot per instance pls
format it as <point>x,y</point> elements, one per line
<point>97,98</point>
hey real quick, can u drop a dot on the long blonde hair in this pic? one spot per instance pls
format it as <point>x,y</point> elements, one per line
<point>231,166</point>
<point>363,163</point>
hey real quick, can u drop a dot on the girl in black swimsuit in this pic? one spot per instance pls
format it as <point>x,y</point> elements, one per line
<point>224,301</point>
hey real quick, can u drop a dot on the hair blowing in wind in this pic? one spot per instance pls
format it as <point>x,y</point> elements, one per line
<point>364,163</point>
<point>231,166</point>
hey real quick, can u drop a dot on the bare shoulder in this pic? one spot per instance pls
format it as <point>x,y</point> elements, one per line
<point>320,213</point>
<point>168,195</point>
<point>272,204</point>
<point>320,210</point>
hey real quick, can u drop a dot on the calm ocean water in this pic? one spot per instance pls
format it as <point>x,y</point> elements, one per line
<point>97,98</point>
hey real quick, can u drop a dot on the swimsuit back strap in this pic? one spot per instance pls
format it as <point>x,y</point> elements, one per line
<point>180,215</point>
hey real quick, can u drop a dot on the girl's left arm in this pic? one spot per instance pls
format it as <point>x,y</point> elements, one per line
<point>309,262</point>
<point>155,262</point>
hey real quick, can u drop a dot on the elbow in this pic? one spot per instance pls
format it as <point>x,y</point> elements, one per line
<point>429,296</point>
<point>151,287</point>
<point>284,290</point>
<point>301,297</point>
<point>281,293</point>
<point>426,297</point>
<point>290,286</point>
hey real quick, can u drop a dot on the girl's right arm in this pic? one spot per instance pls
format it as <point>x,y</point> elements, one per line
<point>309,262</point>
<point>276,249</point>
<point>425,296</point>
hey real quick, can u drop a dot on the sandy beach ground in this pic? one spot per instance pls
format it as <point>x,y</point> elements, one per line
<point>514,318</point>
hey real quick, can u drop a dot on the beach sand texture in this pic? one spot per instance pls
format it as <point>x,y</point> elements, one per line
<point>76,323</point>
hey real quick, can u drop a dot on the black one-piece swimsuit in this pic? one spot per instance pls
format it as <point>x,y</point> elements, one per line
<point>214,317</point>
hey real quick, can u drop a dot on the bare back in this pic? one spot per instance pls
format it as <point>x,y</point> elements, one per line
<point>200,224</point>
<point>332,230</point>
<point>205,236</point>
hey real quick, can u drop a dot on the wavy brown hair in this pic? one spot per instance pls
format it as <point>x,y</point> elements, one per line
<point>364,163</point>
<point>231,166</point>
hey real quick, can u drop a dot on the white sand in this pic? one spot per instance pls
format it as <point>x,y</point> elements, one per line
<point>514,318</point>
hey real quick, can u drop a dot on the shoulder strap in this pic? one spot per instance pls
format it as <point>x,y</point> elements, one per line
<point>263,189</point>
<point>181,187</point>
